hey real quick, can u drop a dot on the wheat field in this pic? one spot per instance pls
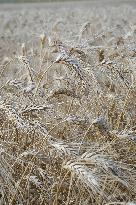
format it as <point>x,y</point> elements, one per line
<point>68,103</point>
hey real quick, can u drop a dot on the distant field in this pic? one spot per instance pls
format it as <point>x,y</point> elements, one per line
<point>19,1</point>
<point>94,1</point>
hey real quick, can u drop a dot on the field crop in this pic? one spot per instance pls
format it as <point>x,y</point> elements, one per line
<point>68,104</point>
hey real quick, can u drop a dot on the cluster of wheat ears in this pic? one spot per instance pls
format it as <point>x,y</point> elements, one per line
<point>67,122</point>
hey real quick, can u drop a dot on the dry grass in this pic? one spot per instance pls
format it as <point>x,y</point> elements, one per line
<point>68,113</point>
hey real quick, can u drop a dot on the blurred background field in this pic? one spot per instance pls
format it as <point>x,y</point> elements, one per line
<point>50,1</point>
<point>23,1</point>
